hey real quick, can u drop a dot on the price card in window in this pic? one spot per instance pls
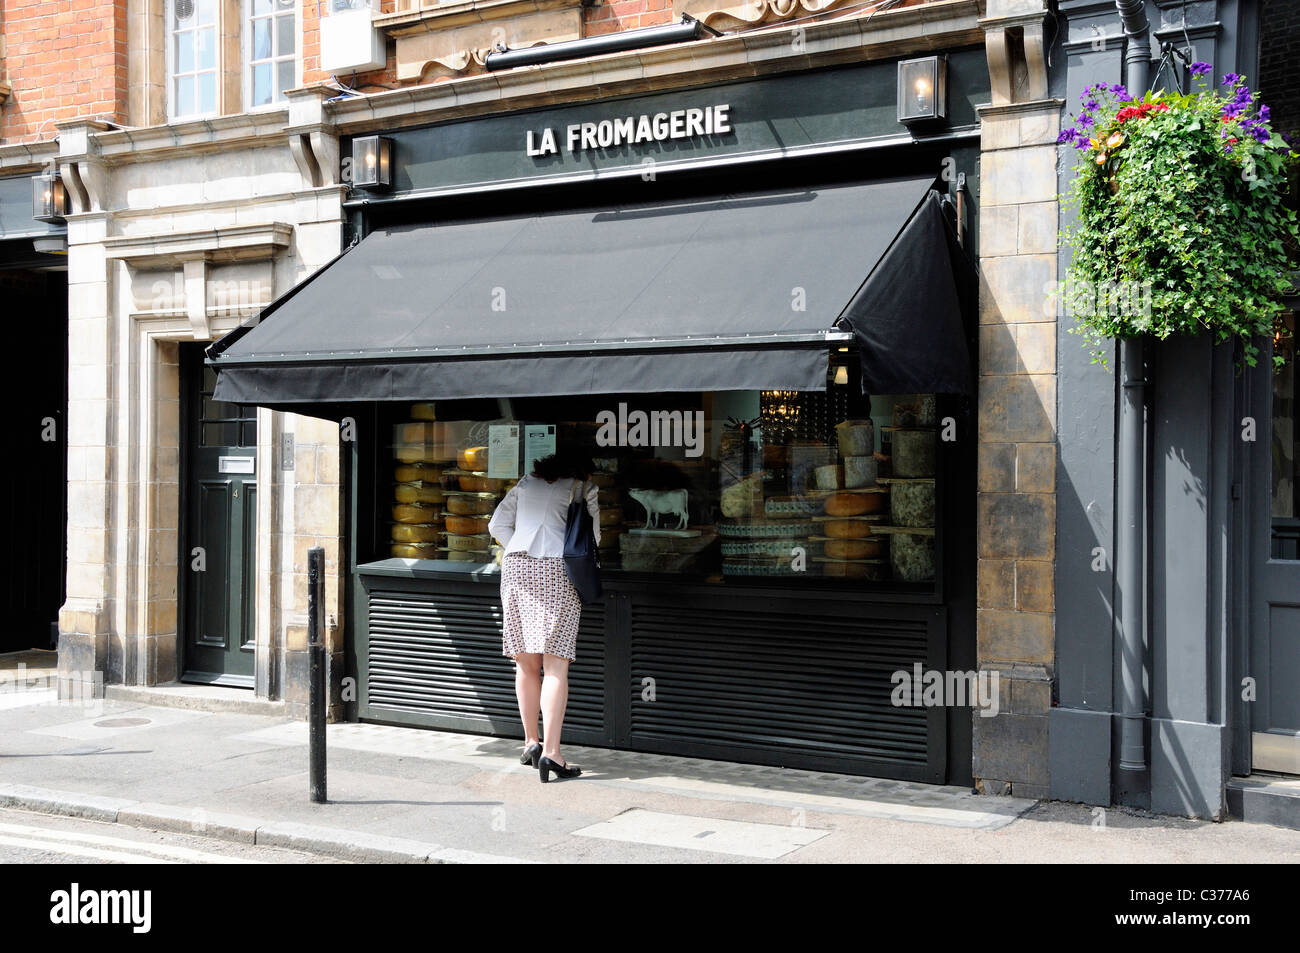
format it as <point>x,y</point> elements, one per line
<point>539,441</point>
<point>503,451</point>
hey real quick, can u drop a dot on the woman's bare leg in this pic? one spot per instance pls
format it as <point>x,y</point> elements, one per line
<point>555,697</point>
<point>528,689</point>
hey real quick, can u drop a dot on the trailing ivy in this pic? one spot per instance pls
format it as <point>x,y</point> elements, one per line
<point>1183,225</point>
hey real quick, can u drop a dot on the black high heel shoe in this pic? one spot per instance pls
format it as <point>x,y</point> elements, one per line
<point>545,766</point>
<point>531,754</point>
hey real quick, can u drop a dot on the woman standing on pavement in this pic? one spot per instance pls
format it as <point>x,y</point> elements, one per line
<point>541,607</point>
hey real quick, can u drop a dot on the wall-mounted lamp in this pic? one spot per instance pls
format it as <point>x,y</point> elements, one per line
<point>372,163</point>
<point>841,374</point>
<point>49,198</point>
<point>923,89</point>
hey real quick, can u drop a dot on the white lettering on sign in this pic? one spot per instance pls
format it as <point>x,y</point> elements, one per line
<point>693,123</point>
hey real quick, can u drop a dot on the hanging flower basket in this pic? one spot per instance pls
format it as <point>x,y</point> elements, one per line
<point>1183,225</point>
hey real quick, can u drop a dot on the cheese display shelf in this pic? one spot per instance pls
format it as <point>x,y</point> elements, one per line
<point>908,530</point>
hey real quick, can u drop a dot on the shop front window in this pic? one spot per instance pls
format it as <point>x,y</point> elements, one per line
<point>717,487</point>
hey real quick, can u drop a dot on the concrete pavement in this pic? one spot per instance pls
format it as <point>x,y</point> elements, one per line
<point>411,795</point>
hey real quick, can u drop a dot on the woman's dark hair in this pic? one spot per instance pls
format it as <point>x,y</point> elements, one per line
<point>557,466</point>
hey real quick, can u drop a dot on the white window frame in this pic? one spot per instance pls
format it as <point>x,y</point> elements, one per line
<point>246,44</point>
<point>169,40</point>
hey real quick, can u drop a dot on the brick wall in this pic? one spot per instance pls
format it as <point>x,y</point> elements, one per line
<point>65,59</point>
<point>615,16</point>
<point>1278,80</point>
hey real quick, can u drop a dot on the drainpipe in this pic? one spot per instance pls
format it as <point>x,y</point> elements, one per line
<point>1129,459</point>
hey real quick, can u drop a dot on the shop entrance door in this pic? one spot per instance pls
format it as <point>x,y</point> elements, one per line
<point>1275,563</point>
<point>219,531</point>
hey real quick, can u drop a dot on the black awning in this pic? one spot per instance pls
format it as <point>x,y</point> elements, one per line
<point>731,293</point>
<point>910,314</point>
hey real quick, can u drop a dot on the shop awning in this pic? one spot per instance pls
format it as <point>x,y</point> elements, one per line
<point>742,292</point>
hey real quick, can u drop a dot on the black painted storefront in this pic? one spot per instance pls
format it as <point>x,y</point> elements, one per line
<point>742,670</point>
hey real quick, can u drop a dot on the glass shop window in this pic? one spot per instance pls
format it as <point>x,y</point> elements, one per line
<point>192,58</point>
<point>272,51</point>
<point>718,487</point>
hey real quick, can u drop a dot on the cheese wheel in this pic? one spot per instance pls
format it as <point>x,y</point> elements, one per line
<point>426,432</point>
<point>472,458</point>
<point>849,570</point>
<point>414,473</point>
<point>854,548</point>
<point>415,513</point>
<point>423,411</point>
<point>464,543</point>
<point>416,532</point>
<point>847,529</point>
<point>611,517</point>
<point>467,525</point>
<point>468,556</point>
<point>414,550</point>
<point>410,453</point>
<point>603,480</point>
<point>470,505</point>
<point>417,493</point>
<point>847,504</point>
<point>481,484</point>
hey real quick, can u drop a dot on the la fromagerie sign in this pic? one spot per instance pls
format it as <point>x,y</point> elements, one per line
<point>694,123</point>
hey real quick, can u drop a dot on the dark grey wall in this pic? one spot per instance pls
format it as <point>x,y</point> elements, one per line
<point>1192,522</point>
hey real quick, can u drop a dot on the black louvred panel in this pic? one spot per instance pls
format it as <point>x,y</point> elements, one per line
<point>439,655</point>
<point>796,685</point>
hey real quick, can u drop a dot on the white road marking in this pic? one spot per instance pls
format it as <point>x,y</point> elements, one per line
<point>739,838</point>
<point>162,850</point>
<point>78,851</point>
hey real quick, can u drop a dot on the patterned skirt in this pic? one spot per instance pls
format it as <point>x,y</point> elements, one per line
<point>541,607</point>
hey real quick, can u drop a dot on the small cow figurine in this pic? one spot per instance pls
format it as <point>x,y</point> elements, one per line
<point>672,502</point>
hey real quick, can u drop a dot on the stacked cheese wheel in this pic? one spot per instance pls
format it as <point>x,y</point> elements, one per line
<point>420,450</point>
<point>471,497</point>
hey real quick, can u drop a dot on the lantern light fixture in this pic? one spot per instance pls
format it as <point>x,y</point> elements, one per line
<point>923,89</point>
<point>49,198</point>
<point>372,163</point>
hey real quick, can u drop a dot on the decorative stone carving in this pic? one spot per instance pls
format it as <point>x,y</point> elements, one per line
<point>448,39</point>
<point>1015,48</point>
<point>730,15</point>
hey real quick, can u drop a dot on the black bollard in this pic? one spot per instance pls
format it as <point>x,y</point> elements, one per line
<point>316,696</point>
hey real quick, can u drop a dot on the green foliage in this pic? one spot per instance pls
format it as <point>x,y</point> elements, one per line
<point>1184,196</point>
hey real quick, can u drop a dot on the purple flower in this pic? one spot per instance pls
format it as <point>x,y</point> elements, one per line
<point>1092,104</point>
<point>1201,69</point>
<point>1085,120</point>
<point>1067,135</point>
<point>1261,134</point>
<point>1227,150</point>
<point>1231,79</point>
<point>1119,90</point>
<point>1265,114</point>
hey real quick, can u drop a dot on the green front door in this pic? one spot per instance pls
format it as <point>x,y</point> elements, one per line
<point>219,532</point>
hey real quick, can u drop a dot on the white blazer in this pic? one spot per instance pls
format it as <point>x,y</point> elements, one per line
<point>533,516</point>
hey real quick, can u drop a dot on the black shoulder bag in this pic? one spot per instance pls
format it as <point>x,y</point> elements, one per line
<point>581,559</point>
